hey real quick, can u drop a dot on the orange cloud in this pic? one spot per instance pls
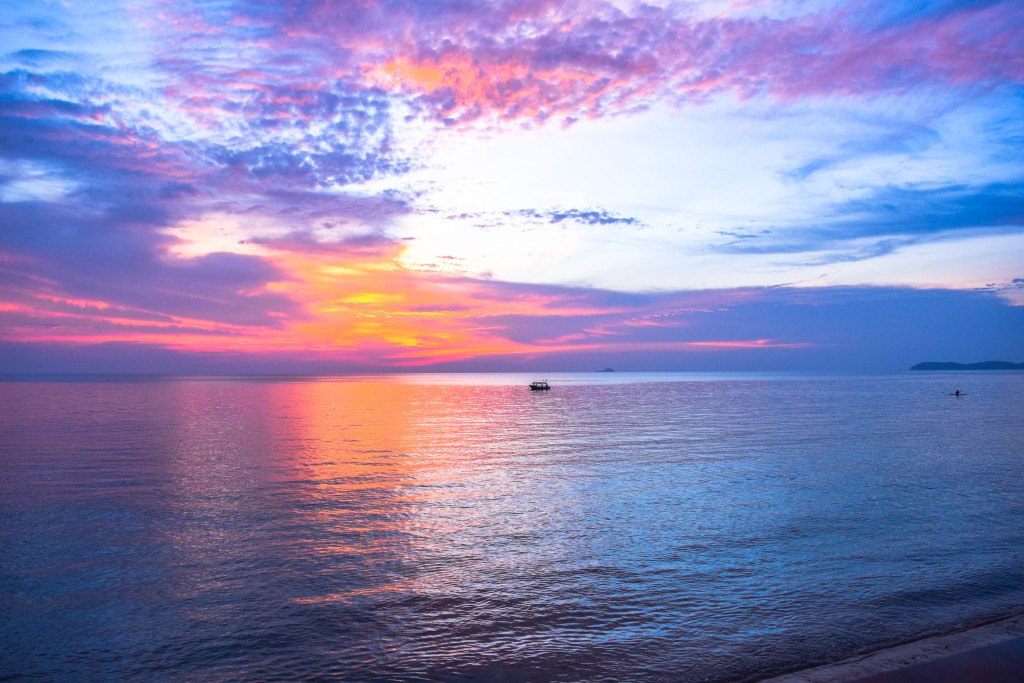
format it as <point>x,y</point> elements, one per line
<point>511,89</point>
<point>362,305</point>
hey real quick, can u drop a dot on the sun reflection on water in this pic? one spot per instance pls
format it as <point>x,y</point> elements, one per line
<point>415,527</point>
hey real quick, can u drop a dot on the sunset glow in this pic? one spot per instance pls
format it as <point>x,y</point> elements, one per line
<point>510,185</point>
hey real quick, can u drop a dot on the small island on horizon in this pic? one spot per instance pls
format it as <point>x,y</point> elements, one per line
<point>983,365</point>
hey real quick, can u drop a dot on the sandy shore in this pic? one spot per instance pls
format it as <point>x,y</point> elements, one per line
<point>992,652</point>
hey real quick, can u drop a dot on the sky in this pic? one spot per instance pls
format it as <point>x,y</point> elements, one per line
<point>516,185</point>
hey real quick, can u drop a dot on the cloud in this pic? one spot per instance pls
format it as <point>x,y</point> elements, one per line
<point>917,210</point>
<point>899,139</point>
<point>593,59</point>
<point>887,219</point>
<point>1005,287</point>
<point>333,66</point>
<point>304,138</point>
<point>504,326</point>
<point>93,185</point>
<point>586,217</point>
<point>557,216</point>
<point>331,209</point>
<point>42,58</point>
<point>215,197</point>
<point>358,246</point>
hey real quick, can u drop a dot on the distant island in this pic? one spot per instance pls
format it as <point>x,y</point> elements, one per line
<point>984,365</point>
<point>606,370</point>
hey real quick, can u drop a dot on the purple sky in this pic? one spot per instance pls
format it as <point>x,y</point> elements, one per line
<point>516,185</point>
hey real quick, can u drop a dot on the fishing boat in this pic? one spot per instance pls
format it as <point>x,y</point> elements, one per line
<point>539,386</point>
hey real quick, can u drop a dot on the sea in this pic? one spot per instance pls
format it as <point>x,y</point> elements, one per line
<point>460,527</point>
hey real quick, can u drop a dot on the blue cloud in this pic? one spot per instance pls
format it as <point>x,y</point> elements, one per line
<point>846,328</point>
<point>916,211</point>
<point>554,216</point>
<point>900,138</point>
<point>38,57</point>
<point>123,184</point>
<point>894,217</point>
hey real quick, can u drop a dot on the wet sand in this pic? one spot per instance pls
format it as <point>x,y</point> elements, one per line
<point>990,653</point>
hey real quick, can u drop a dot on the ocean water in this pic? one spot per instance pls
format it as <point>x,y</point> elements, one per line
<point>682,527</point>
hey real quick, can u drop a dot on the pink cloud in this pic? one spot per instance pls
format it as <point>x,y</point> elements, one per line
<point>533,61</point>
<point>608,62</point>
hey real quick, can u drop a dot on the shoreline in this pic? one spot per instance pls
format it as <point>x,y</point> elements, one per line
<point>972,647</point>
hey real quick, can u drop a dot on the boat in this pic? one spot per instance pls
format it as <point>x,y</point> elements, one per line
<point>539,386</point>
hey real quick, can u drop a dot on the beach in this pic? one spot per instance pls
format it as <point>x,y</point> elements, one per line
<point>992,652</point>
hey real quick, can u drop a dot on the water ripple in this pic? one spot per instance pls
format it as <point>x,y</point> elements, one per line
<point>463,528</point>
